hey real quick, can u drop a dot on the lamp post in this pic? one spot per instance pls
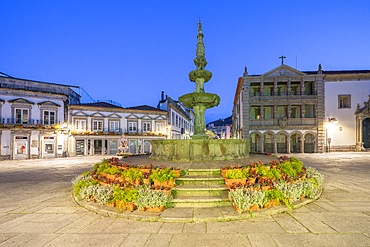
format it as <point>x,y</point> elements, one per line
<point>332,121</point>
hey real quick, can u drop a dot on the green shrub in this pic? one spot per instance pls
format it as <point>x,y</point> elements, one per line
<point>112,170</point>
<point>125,194</point>
<point>287,168</point>
<point>151,198</point>
<point>162,175</point>
<point>263,170</point>
<point>316,175</point>
<point>296,164</point>
<point>244,199</point>
<point>132,174</point>
<point>236,174</point>
<point>81,184</point>
<point>100,167</point>
<point>292,192</point>
<point>274,173</point>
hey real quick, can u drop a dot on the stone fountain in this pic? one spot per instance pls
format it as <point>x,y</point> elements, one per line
<point>199,147</point>
<point>199,100</point>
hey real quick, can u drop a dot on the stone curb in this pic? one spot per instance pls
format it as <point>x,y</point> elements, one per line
<point>152,216</point>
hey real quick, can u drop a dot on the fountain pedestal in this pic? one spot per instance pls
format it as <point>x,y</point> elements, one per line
<point>200,149</point>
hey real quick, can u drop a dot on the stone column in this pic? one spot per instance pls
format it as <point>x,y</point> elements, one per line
<point>359,144</point>
<point>289,110</point>
<point>262,143</point>
<point>275,144</point>
<point>199,121</point>
<point>303,110</point>
<point>302,144</point>
<point>261,112</point>
<point>302,87</point>
<point>262,87</point>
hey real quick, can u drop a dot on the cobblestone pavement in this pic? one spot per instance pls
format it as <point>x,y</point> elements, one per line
<point>37,209</point>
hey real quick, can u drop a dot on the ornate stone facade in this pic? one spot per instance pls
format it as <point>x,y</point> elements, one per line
<point>281,111</point>
<point>363,126</point>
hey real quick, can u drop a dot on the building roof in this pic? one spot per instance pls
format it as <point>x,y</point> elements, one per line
<point>100,104</point>
<point>144,108</point>
<point>2,74</point>
<point>178,105</point>
<point>333,72</point>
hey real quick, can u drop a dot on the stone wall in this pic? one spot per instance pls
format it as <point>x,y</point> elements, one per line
<point>198,150</point>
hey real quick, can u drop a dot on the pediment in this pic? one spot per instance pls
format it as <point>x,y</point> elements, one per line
<point>284,70</point>
<point>79,114</point>
<point>114,115</point>
<point>146,117</point>
<point>48,103</point>
<point>160,117</point>
<point>21,101</point>
<point>97,114</point>
<point>132,116</point>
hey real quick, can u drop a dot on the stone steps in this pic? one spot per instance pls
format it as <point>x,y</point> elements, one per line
<point>201,188</point>
<point>205,180</point>
<point>200,202</point>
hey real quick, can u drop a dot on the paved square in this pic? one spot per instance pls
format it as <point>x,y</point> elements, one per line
<point>37,209</point>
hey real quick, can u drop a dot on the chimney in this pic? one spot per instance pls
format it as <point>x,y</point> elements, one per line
<point>162,96</point>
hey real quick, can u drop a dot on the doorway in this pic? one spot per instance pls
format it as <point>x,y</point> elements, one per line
<point>366,133</point>
<point>98,146</point>
<point>80,147</point>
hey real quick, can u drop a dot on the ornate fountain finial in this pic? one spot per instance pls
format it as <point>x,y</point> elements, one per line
<point>200,60</point>
<point>200,45</point>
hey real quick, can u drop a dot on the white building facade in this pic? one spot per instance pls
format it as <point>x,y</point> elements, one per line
<point>180,119</point>
<point>32,114</point>
<point>99,128</point>
<point>346,92</point>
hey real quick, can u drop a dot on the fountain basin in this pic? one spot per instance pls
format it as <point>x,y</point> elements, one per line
<point>209,100</point>
<point>199,149</point>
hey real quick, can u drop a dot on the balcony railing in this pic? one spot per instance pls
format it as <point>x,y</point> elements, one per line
<point>281,95</point>
<point>120,131</point>
<point>289,122</point>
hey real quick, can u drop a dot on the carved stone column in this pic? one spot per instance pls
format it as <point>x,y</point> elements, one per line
<point>359,143</point>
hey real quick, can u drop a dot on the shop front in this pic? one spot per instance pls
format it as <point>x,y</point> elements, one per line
<point>21,147</point>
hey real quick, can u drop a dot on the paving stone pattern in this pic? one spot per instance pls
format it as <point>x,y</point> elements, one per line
<point>37,209</point>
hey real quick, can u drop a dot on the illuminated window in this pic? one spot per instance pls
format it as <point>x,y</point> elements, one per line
<point>21,116</point>
<point>146,127</point>
<point>113,126</point>
<point>160,127</point>
<point>49,117</point>
<point>80,125</point>
<point>132,127</point>
<point>255,112</point>
<point>97,125</point>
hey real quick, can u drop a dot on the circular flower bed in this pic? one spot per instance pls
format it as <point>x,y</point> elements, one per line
<point>127,187</point>
<point>260,185</point>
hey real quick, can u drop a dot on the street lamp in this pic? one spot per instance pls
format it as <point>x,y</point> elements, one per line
<point>332,121</point>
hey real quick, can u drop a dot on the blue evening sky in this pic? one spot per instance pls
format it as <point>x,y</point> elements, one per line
<point>129,51</point>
